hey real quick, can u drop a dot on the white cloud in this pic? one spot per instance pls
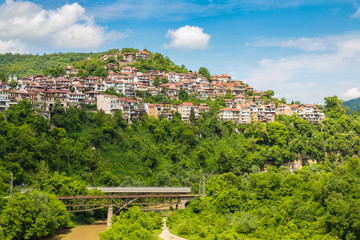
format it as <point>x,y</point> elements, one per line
<point>356,14</point>
<point>320,44</point>
<point>29,25</point>
<point>188,37</point>
<point>351,94</point>
<point>12,46</point>
<point>296,75</point>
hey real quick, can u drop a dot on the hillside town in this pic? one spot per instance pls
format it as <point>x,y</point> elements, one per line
<point>246,104</point>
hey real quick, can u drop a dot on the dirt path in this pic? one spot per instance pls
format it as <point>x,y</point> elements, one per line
<point>166,235</point>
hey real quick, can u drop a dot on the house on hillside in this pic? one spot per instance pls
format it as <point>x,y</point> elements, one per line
<point>283,109</point>
<point>108,103</point>
<point>229,114</point>
<point>129,57</point>
<point>239,99</point>
<point>153,110</point>
<point>224,78</point>
<point>245,116</point>
<point>310,113</point>
<point>184,109</point>
<point>4,100</point>
<point>142,55</point>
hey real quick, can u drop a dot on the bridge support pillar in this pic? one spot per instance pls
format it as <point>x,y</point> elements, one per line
<point>109,215</point>
<point>182,203</point>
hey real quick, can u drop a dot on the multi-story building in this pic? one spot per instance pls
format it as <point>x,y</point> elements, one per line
<point>74,98</point>
<point>245,113</point>
<point>239,99</point>
<point>229,114</point>
<point>266,113</point>
<point>153,110</point>
<point>142,55</point>
<point>108,103</point>
<point>184,109</point>
<point>310,113</point>
<point>4,100</point>
<point>50,97</point>
<point>283,109</point>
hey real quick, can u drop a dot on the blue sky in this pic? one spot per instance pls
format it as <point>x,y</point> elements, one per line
<point>304,50</point>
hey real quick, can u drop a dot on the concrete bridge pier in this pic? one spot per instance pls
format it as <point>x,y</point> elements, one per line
<point>182,201</point>
<point>109,214</point>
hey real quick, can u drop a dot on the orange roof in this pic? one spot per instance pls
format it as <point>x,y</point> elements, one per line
<point>229,109</point>
<point>294,105</point>
<point>224,76</point>
<point>244,105</point>
<point>187,104</point>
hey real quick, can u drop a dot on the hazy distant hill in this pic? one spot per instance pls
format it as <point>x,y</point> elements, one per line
<point>353,104</point>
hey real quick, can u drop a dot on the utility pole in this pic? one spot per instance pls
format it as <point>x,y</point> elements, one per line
<point>11,184</point>
<point>200,186</point>
<point>203,192</point>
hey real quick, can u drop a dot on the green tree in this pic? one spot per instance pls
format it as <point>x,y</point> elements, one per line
<point>3,77</point>
<point>156,81</point>
<point>164,80</point>
<point>134,224</point>
<point>108,179</point>
<point>62,185</point>
<point>183,95</point>
<point>205,72</point>
<point>334,107</point>
<point>33,215</point>
<point>278,133</point>
<point>55,72</point>
<point>83,73</point>
<point>192,115</point>
<point>269,93</point>
<point>58,114</point>
<point>100,71</point>
<point>13,84</point>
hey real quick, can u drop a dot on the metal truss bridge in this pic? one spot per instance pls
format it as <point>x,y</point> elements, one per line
<point>148,199</point>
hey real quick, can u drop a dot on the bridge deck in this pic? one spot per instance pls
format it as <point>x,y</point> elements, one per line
<point>131,196</point>
<point>143,189</point>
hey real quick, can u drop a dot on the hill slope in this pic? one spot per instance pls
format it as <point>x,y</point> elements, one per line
<point>353,104</point>
<point>27,64</point>
<point>23,65</point>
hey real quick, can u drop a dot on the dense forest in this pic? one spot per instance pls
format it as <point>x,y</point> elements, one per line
<point>81,148</point>
<point>102,149</point>
<point>312,203</point>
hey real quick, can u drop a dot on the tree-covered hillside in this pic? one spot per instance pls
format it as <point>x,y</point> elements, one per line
<point>353,104</point>
<point>104,150</point>
<point>312,203</point>
<point>158,62</point>
<point>91,148</point>
<point>23,65</point>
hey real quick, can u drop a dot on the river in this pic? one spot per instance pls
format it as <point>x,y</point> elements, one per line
<point>88,232</point>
